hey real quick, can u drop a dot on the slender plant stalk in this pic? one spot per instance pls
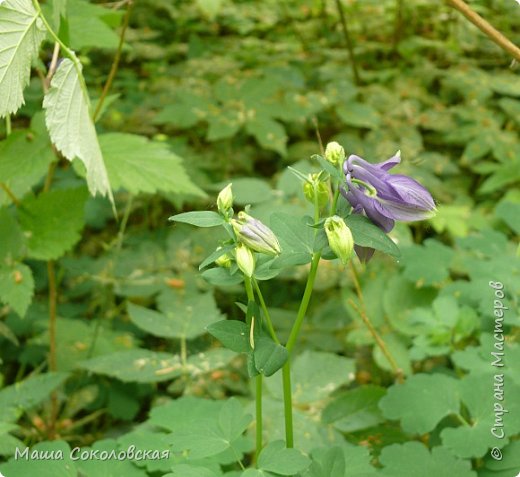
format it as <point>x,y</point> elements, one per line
<point>486,28</point>
<point>348,41</point>
<point>8,125</point>
<point>258,387</point>
<point>398,25</point>
<point>377,338</point>
<point>53,295</point>
<point>115,63</point>
<point>268,320</point>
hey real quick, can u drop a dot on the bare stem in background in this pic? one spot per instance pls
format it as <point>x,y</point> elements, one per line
<point>485,27</point>
<point>348,41</point>
<point>377,338</point>
<point>115,63</point>
<point>398,26</point>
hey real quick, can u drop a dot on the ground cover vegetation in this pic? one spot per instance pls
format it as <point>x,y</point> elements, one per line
<point>319,317</point>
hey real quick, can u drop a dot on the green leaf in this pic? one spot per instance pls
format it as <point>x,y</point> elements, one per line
<point>139,165</point>
<point>222,277</point>
<point>182,317</point>
<point>24,395</point>
<point>108,467</point>
<point>88,28</point>
<point>427,264</point>
<point>26,155</point>
<point>233,334</point>
<point>421,402</point>
<point>138,365</point>
<point>294,233</point>
<point>67,114</point>
<point>249,190</point>
<point>474,440</point>
<point>199,218</point>
<point>210,8</point>
<point>359,115</point>
<point>509,212</point>
<point>60,466</point>
<point>21,33</point>
<point>413,459</point>
<point>16,287</point>
<point>355,410</point>
<point>275,457</point>
<point>269,356</point>
<point>398,349</point>
<point>12,241</point>
<point>367,234</point>
<point>188,312</point>
<point>53,222</point>
<point>185,470</point>
<point>269,133</point>
<point>309,382</point>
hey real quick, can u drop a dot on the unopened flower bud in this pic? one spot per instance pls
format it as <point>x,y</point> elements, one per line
<point>255,234</point>
<point>334,153</point>
<point>340,238</point>
<point>316,188</point>
<point>225,200</point>
<point>245,260</point>
<point>224,260</point>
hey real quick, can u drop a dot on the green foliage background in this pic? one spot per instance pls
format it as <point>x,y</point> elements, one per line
<point>215,91</point>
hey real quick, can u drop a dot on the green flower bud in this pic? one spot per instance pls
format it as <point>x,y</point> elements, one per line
<point>224,260</point>
<point>334,153</point>
<point>255,234</point>
<point>340,238</point>
<point>225,200</point>
<point>245,260</point>
<point>315,186</point>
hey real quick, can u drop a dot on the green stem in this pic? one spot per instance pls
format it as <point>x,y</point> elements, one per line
<point>115,63</point>
<point>334,201</point>
<point>258,388</point>
<point>70,54</point>
<point>268,320</point>
<point>8,125</point>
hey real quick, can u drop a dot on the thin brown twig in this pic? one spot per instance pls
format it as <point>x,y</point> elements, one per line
<point>53,66</point>
<point>485,27</point>
<point>115,63</point>
<point>377,338</point>
<point>10,193</point>
<point>348,41</point>
<point>318,135</point>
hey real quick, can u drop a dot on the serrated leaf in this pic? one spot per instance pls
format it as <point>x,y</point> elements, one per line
<point>53,222</point>
<point>68,119</point>
<point>421,402</point>
<point>359,115</point>
<point>21,33</point>
<point>139,165</point>
<point>24,395</point>
<point>16,287</point>
<point>233,334</point>
<point>202,218</point>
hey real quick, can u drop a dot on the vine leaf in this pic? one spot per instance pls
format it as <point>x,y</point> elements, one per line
<point>21,33</point>
<point>67,115</point>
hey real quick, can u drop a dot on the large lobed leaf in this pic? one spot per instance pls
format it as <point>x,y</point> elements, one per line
<point>140,165</point>
<point>21,33</point>
<point>67,114</point>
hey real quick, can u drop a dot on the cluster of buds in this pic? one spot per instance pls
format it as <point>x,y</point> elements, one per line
<point>252,236</point>
<point>315,189</point>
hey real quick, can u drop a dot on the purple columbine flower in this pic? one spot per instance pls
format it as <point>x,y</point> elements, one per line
<point>383,197</point>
